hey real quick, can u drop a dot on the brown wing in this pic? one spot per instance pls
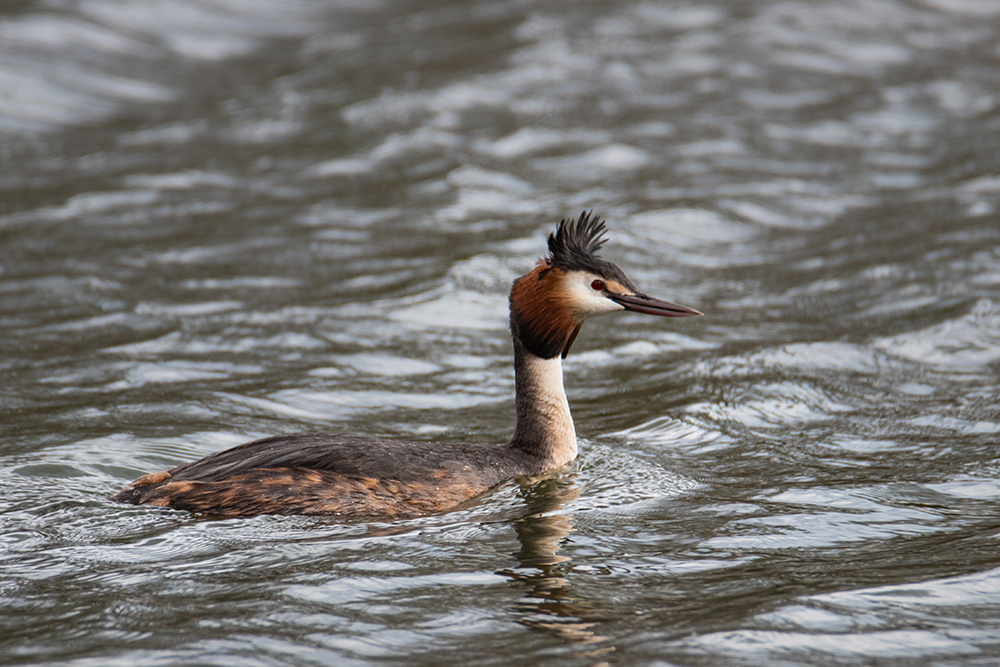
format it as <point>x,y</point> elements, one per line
<point>321,473</point>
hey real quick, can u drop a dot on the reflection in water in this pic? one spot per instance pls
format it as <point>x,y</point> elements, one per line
<point>552,605</point>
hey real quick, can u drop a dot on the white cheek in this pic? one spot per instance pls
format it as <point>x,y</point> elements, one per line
<point>588,302</point>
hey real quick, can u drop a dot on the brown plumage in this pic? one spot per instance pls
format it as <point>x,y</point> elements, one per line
<point>321,473</point>
<point>541,312</point>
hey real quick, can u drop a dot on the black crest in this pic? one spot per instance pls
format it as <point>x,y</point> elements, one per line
<point>574,246</point>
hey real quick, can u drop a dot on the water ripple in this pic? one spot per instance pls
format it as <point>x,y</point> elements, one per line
<point>223,220</point>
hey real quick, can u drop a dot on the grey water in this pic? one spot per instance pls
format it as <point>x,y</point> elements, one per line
<point>221,220</point>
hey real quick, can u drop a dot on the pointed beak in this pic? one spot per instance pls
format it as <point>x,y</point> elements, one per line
<point>641,303</point>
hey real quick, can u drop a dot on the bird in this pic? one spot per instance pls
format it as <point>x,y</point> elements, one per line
<point>357,476</point>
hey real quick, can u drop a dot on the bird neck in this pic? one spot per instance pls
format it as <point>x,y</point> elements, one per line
<point>544,425</point>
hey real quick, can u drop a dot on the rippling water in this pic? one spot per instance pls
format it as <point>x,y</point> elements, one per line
<point>222,220</point>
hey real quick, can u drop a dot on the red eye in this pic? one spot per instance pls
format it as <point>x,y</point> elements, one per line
<point>597,285</point>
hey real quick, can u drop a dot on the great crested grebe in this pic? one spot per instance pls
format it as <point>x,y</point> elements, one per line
<point>323,473</point>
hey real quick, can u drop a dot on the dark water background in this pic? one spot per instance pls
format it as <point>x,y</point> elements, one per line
<point>224,219</point>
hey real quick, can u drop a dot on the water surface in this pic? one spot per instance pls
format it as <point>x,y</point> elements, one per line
<point>225,220</point>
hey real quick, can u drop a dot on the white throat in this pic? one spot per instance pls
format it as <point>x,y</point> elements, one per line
<point>544,424</point>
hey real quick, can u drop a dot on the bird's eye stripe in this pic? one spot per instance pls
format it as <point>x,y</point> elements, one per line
<point>597,285</point>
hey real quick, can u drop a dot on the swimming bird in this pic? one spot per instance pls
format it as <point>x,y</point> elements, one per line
<point>351,475</point>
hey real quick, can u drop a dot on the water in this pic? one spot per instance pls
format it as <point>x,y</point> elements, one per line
<point>224,220</point>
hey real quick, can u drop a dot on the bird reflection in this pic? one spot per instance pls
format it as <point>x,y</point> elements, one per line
<point>552,606</point>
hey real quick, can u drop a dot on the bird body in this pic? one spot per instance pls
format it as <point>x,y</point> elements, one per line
<point>328,474</point>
